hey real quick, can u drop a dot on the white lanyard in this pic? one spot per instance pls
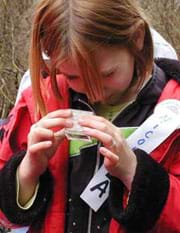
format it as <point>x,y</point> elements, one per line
<point>155,129</point>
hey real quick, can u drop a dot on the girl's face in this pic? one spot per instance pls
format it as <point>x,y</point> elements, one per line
<point>116,65</point>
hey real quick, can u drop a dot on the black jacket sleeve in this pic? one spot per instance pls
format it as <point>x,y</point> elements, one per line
<point>8,203</point>
<point>148,195</point>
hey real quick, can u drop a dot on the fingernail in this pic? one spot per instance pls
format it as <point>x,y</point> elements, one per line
<point>103,150</point>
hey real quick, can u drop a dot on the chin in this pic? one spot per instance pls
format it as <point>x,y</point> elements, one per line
<point>112,100</point>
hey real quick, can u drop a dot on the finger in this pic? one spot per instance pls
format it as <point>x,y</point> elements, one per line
<point>93,124</point>
<point>40,134</point>
<point>64,113</point>
<point>39,147</point>
<point>92,117</point>
<point>59,133</point>
<point>54,122</point>
<point>93,120</point>
<point>111,159</point>
<point>102,136</point>
<point>100,124</point>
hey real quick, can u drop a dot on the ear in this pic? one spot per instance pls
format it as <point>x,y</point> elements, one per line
<point>139,37</point>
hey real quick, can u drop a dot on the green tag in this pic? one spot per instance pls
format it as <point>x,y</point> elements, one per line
<point>76,145</point>
<point>127,131</point>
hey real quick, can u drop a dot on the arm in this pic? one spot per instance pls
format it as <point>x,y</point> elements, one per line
<point>154,199</point>
<point>150,188</point>
<point>31,168</point>
<point>12,211</point>
<point>13,141</point>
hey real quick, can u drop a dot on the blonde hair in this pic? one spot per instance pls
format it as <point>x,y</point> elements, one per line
<point>74,29</point>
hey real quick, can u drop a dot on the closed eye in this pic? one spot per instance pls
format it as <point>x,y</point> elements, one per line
<point>109,75</point>
<point>71,77</point>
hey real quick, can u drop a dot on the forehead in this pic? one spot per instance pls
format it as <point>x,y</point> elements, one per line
<point>114,56</point>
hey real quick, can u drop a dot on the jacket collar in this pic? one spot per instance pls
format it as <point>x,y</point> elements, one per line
<point>152,90</point>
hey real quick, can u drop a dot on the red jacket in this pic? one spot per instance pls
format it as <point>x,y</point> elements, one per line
<point>168,154</point>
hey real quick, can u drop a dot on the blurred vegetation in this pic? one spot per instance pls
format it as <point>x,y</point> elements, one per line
<point>164,16</point>
<point>15,21</point>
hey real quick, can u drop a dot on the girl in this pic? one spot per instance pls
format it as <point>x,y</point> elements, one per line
<point>101,60</point>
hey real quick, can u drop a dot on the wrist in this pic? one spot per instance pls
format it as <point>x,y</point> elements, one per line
<point>127,172</point>
<point>26,185</point>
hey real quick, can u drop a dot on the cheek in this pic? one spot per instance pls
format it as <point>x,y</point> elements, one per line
<point>126,79</point>
<point>122,79</point>
<point>119,82</point>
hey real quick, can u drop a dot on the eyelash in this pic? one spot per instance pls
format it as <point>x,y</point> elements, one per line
<point>71,77</point>
<point>74,77</point>
<point>109,75</point>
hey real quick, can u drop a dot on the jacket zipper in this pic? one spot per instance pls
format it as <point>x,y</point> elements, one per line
<point>95,170</point>
<point>97,159</point>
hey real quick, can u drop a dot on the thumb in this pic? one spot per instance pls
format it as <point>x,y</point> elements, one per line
<point>59,136</point>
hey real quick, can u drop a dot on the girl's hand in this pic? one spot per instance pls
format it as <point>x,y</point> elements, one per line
<point>43,142</point>
<point>119,159</point>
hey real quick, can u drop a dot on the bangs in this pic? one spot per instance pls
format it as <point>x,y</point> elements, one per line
<point>81,55</point>
<point>89,72</point>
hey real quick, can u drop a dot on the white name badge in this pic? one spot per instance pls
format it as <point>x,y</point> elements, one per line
<point>164,121</point>
<point>154,130</point>
<point>97,191</point>
<point>170,104</point>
